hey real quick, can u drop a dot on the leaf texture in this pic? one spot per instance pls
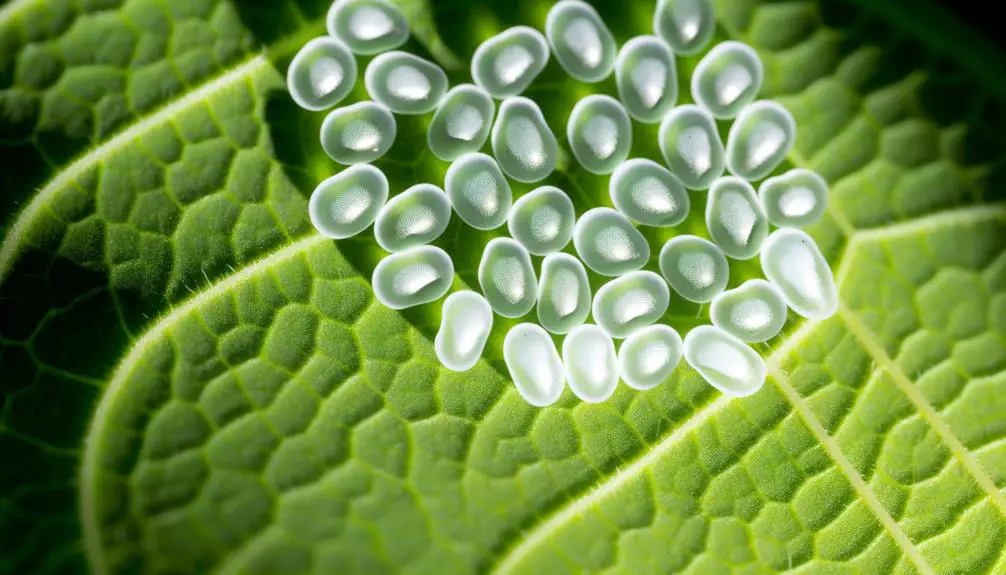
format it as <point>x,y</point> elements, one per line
<point>194,381</point>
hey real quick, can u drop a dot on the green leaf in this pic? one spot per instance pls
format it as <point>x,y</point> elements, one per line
<point>191,380</point>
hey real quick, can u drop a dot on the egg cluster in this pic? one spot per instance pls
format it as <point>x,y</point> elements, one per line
<point>724,86</point>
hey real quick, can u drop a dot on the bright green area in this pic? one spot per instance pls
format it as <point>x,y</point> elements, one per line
<point>193,381</point>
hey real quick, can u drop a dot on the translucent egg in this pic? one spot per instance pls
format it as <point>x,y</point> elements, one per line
<point>691,146</point>
<point>649,193</point>
<point>368,26</point>
<point>591,365</point>
<point>694,267</point>
<point>647,78</point>
<point>461,123</point>
<point>599,133</point>
<point>506,64</point>
<point>608,243</point>
<point>759,140</point>
<point>321,74</point>
<point>735,218</point>
<point>414,217</point>
<point>522,142</point>
<point>412,277</point>
<point>753,312</point>
<point>724,361</point>
<point>542,220</point>
<point>628,303</point>
<point>792,261</point>
<point>534,364</point>
<point>563,293</point>
<point>687,25</point>
<point>649,356</point>
<point>346,203</point>
<point>478,191</point>
<point>507,277</point>
<point>405,83</point>
<point>465,323</point>
<point>727,79</point>
<point>580,40</point>
<point>795,199</point>
<point>358,133</point>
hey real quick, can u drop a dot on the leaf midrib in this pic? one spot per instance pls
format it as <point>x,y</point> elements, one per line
<point>607,484</point>
<point>928,413</point>
<point>963,216</point>
<point>248,69</point>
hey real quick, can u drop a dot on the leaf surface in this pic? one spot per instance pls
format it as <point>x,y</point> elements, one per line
<point>194,381</point>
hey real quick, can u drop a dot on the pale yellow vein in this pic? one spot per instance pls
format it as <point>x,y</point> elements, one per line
<point>922,405</point>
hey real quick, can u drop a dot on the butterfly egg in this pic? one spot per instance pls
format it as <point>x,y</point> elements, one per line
<point>461,123</point>
<point>534,364</point>
<point>686,25</point>
<point>368,26</point>
<point>694,267</point>
<point>753,312</point>
<point>649,193</point>
<point>465,323</point>
<point>630,302</point>
<point>646,78</point>
<point>608,243</point>
<point>795,199</point>
<point>588,354</point>
<point>727,79</point>
<point>478,191</point>
<point>759,140</point>
<point>321,74</point>
<point>405,83</point>
<point>724,361</point>
<point>414,217</point>
<point>346,203</point>
<point>649,356</point>
<point>542,220</point>
<point>691,146</point>
<point>735,218</point>
<point>580,40</point>
<point>522,142</point>
<point>599,133</point>
<point>792,261</point>
<point>358,133</point>
<point>413,277</point>
<point>506,64</point>
<point>507,277</point>
<point>563,293</point>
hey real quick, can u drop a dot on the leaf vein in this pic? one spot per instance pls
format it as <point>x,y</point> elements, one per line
<point>922,405</point>
<point>847,469</point>
<point>12,243</point>
<point>956,217</point>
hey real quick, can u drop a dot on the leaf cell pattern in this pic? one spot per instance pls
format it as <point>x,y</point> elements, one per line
<point>180,356</point>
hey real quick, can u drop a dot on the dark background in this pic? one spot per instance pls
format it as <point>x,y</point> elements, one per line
<point>981,15</point>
